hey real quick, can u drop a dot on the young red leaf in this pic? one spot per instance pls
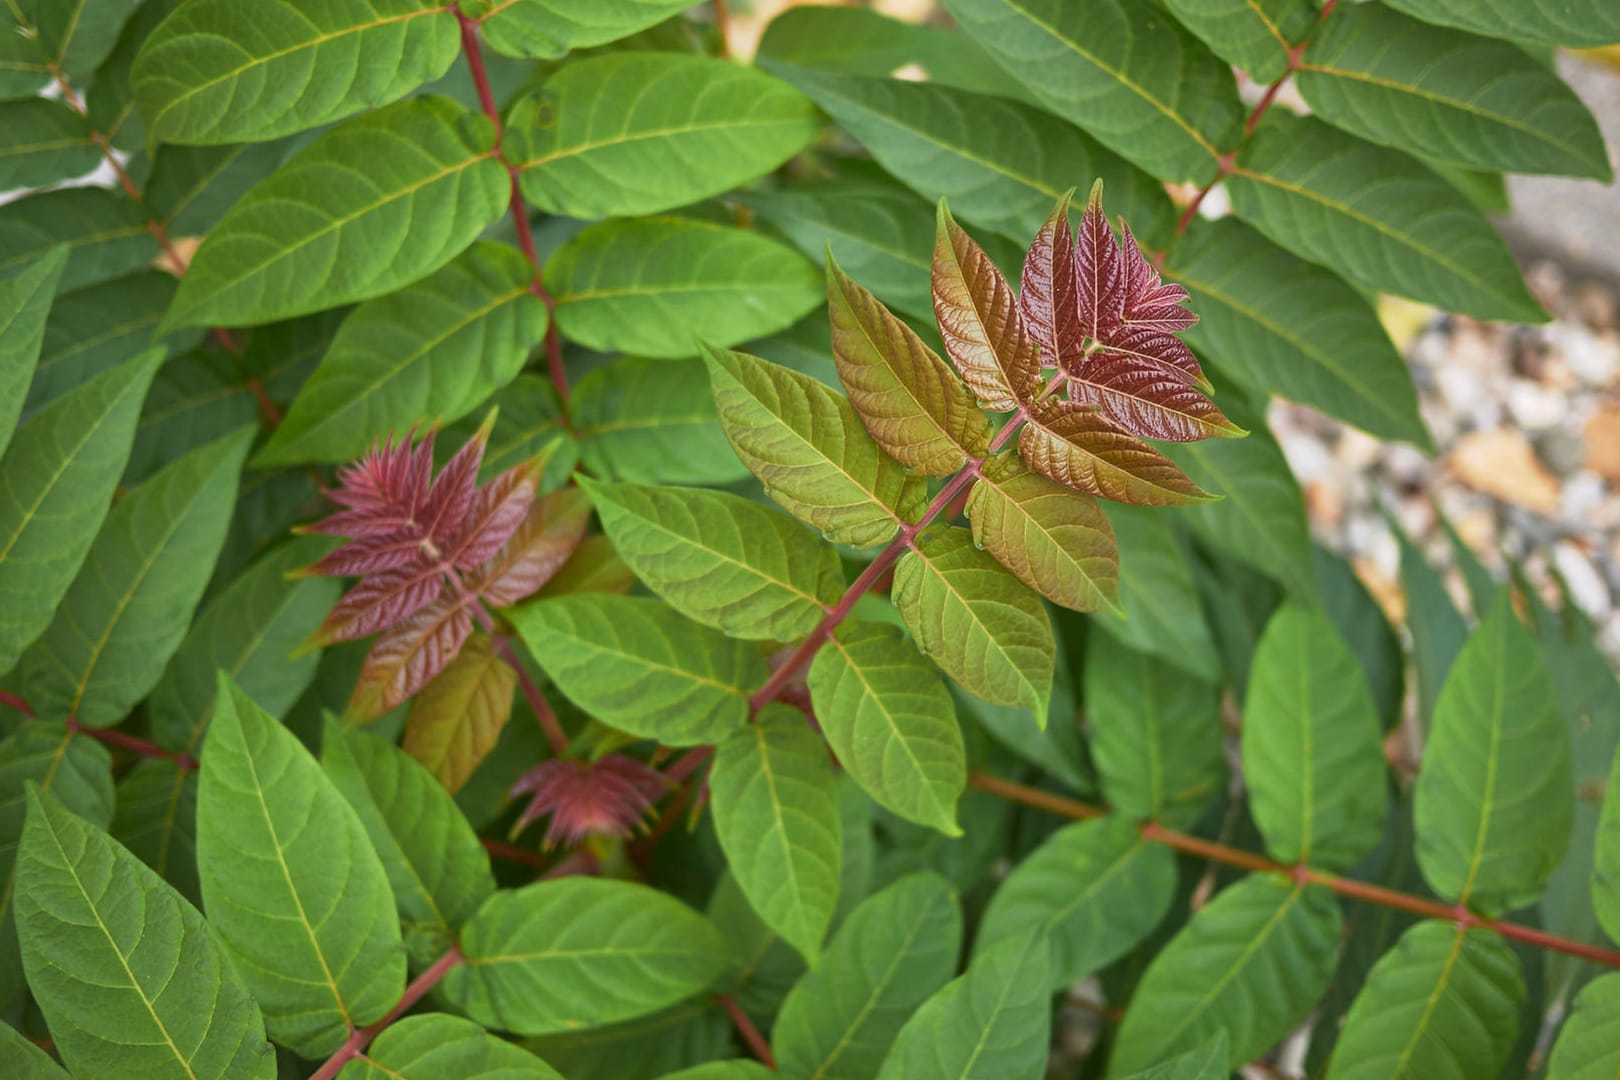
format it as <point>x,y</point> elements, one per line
<point>1142,398</point>
<point>497,509</point>
<point>457,718</point>
<point>610,796</point>
<point>451,496</point>
<point>909,399</point>
<point>383,491</point>
<point>1080,448</point>
<point>553,529</point>
<point>408,655</point>
<point>1151,304</point>
<point>380,601</point>
<point>1048,293</point>
<point>980,322</point>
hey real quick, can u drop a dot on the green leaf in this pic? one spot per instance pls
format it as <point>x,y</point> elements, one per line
<point>1155,735</point>
<point>1468,100</point>
<point>22,68</point>
<point>249,631</point>
<point>528,424</point>
<point>1588,1046</point>
<point>1287,327</point>
<point>982,626</point>
<point>1571,22</point>
<point>438,870</point>
<point>1313,757</point>
<point>25,303</point>
<point>1143,86</point>
<point>1254,35</point>
<point>641,666</point>
<point>44,142</point>
<point>655,286</point>
<point>206,75</point>
<point>1261,520</point>
<point>1001,164</point>
<point>860,41</point>
<point>1438,629</point>
<point>1163,616</point>
<point>79,772</point>
<point>1378,217</point>
<point>27,1061</point>
<point>433,351</point>
<point>888,957</point>
<point>104,230</point>
<point>432,1046</point>
<point>291,882</point>
<point>1252,961</point>
<point>1444,1002</point>
<point>1057,541</point>
<point>880,231</point>
<point>890,720</point>
<point>1095,889</point>
<point>804,442</point>
<point>192,187</point>
<point>549,28</point>
<point>104,940</point>
<point>652,422</point>
<point>992,1023</point>
<point>156,820</point>
<point>721,559</point>
<point>776,814</point>
<point>637,133</point>
<point>95,329</point>
<point>912,403</point>
<point>1207,1062</point>
<point>735,1069</point>
<point>580,953</point>
<point>61,468</point>
<point>1605,882</point>
<point>73,36</point>
<point>1494,804</point>
<point>342,220</point>
<point>127,611</point>
<point>1352,609</point>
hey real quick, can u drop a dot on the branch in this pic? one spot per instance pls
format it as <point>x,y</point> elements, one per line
<point>360,1038</point>
<point>134,743</point>
<point>520,213</point>
<point>745,1027</point>
<point>1305,875</point>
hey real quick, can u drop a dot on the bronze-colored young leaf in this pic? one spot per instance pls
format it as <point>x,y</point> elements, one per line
<point>457,717</point>
<point>409,654</point>
<point>1057,541</point>
<point>1080,448</point>
<point>537,550</point>
<point>980,322</point>
<point>1048,294</point>
<point>908,398</point>
<point>1139,395</point>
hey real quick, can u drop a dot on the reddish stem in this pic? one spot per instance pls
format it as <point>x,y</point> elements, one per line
<point>555,735</point>
<point>1248,860</point>
<point>520,213</point>
<point>688,763</point>
<point>134,743</point>
<point>512,853</point>
<point>12,701</point>
<point>745,1027</point>
<point>360,1038</point>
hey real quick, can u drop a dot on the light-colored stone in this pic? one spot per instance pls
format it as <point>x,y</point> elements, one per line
<point>1586,586</point>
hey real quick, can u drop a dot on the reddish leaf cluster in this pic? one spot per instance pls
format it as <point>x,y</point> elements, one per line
<point>1092,310</point>
<point>428,550</point>
<point>610,796</point>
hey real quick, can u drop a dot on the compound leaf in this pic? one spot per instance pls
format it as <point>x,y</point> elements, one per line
<point>207,75</point>
<point>123,967</point>
<point>638,664</point>
<point>580,953</point>
<point>372,205</point>
<point>291,882</point>
<point>638,133</point>
<point>656,286</point>
<point>721,559</point>
<point>776,814</point>
<point>1094,889</point>
<point>891,722</point>
<point>1495,802</point>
